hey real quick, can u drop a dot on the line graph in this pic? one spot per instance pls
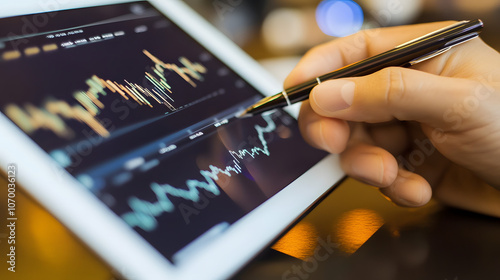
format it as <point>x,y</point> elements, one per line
<point>54,114</point>
<point>144,213</point>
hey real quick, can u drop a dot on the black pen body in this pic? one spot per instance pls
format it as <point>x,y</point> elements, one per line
<point>403,55</point>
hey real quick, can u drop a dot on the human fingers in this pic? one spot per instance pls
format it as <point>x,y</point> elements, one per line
<point>392,93</point>
<point>377,167</point>
<point>392,136</point>
<point>340,52</point>
<point>333,135</point>
<point>463,189</point>
<point>409,189</point>
<point>324,133</point>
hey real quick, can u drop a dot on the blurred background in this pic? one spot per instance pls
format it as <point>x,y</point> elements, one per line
<point>278,32</point>
<point>278,28</point>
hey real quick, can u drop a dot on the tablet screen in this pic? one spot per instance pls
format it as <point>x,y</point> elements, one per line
<point>143,117</point>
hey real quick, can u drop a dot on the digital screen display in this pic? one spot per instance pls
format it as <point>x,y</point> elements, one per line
<point>143,117</point>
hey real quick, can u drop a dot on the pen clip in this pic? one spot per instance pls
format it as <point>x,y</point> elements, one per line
<point>429,56</point>
<point>432,33</point>
<point>447,47</point>
<point>461,39</point>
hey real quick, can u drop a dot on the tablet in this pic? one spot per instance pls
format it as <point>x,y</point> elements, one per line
<point>119,118</point>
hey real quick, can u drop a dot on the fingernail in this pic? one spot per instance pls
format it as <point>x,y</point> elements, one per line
<point>368,168</point>
<point>338,95</point>
<point>412,194</point>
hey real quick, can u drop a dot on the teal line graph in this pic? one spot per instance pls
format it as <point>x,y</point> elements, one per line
<point>144,213</point>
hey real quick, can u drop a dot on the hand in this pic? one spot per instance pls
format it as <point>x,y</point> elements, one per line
<point>433,129</point>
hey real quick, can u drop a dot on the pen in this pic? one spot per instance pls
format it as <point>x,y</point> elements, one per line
<point>404,55</point>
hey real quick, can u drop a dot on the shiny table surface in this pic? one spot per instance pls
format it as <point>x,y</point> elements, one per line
<point>354,233</point>
<point>373,239</point>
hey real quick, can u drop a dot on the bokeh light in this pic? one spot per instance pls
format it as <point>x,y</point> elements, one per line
<point>284,29</point>
<point>339,18</point>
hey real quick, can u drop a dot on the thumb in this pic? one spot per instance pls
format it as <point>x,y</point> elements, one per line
<point>392,93</point>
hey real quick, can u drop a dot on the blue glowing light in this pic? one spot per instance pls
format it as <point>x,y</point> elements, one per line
<point>339,17</point>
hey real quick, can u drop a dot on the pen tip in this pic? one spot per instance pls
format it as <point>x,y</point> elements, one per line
<point>242,114</point>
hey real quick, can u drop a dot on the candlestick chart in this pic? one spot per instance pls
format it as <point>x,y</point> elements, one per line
<point>55,113</point>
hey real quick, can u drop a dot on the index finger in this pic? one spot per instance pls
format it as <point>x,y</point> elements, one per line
<point>343,51</point>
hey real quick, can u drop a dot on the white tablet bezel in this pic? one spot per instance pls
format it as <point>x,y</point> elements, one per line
<point>111,238</point>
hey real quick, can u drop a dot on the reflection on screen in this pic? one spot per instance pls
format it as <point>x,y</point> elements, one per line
<point>143,117</point>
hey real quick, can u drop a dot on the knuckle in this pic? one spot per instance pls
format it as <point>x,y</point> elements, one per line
<point>318,50</point>
<point>395,86</point>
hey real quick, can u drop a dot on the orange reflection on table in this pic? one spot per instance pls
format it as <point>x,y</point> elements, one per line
<point>299,242</point>
<point>355,227</point>
<point>44,248</point>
